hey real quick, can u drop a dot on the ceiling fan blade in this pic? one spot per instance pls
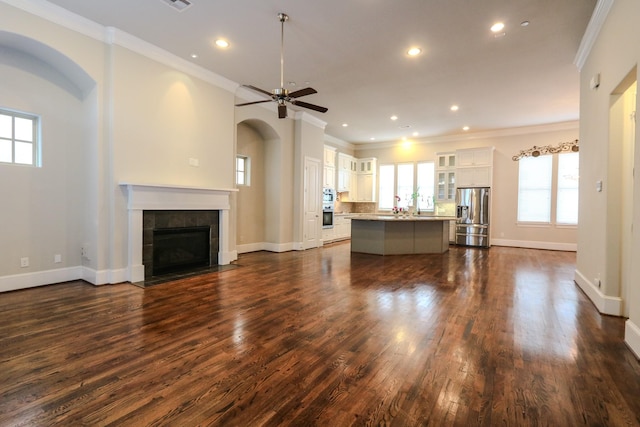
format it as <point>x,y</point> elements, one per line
<point>302,92</point>
<point>282,111</point>
<point>254,102</point>
<point>257,89</point>
<point>309,106</point>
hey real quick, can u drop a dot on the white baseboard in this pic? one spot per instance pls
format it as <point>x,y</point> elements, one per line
<point>530,244</point>
<point>225,258</point>
<point>632,337</point>
<point>39,278</point>
<point>265,246</point>
<point>250,247</point>
<point>604,303</point>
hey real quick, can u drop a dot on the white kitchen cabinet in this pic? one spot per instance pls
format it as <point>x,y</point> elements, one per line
<point>445,160</point>
<point>366,187</point>
<point>341,230</point>
<point>474,177</point>
<point>329,177</point>
<point>329,156</point>
<point>445,177</point>
<point>475,157</point>
<point>474,167</point>
<point>346,166</point>
<point>445,185</point>
<point>367,165</point>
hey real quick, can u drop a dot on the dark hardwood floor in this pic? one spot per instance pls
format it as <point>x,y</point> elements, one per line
<point>323,337</point>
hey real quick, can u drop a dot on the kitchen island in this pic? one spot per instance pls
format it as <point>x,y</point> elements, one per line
<point>398,235</point>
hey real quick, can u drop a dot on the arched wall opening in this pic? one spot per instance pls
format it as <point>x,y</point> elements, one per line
<point>259,206</point>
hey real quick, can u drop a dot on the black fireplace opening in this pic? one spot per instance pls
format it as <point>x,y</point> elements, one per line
<point>181,249</point>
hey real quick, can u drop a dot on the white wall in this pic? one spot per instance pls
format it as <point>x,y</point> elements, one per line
<point>42,208</point>
<point>614,57</point>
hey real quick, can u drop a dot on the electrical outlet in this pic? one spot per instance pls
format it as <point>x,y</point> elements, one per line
<point>24,262</point>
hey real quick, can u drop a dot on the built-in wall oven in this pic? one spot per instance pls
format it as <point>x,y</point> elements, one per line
<point>328,202</point>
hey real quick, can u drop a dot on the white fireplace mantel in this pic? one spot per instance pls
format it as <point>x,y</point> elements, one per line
<point>141,197</point>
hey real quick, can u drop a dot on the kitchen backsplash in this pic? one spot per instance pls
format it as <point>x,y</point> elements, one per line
<point>442,209</point>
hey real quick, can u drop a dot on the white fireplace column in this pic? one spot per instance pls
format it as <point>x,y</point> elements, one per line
<point>141,197</point>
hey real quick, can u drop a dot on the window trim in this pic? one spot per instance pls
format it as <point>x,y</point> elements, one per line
<point>246,173</point>
<point>36,153</point>
<point>404,203</point>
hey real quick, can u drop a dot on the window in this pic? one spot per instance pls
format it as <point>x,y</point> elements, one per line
<point>404,188</point>
<point>536,179</point>
<point>426,186</point>
<point>242,170</point>
<point>534,189</point>
<point>567,202</point>
<point>408,181</point>
<point>387,187</point>
<point>19,138</point>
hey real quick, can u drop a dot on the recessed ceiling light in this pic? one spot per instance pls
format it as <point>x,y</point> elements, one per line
<point>194,55</point>
<point>414,51</point>
<point>454,108</point>
<point>497,27</point>
<point>416,134</point>
<point>372,139</point>
<point>524,23</point>
<point>292,83</point>
<point>222,43</point>
<point>344,125</point>
<point>465,128</point>
<point>394,117</point>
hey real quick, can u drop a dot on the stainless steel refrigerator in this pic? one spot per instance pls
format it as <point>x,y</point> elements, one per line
<point>472,216</point>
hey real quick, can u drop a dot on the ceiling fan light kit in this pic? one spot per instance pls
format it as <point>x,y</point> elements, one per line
<point>281,95</point>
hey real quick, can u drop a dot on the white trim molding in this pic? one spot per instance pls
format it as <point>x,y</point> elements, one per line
<point>530,244</point>
<point>604,303</point>
<point>632,337</point>
<point>39,278</point>
<point>142,197</point>
<point>596,22</point>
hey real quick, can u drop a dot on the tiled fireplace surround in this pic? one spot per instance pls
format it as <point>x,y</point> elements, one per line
<point>150,197</point>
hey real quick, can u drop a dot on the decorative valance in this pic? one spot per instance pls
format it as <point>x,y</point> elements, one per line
<point>536,151</point>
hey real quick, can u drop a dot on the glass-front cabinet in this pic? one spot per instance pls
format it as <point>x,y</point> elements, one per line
<point>445,177</point>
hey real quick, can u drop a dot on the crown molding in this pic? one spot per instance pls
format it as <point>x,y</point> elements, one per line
<point>596,22</point>
<point>515,131</point>
<point>311,119</point>
<point>114,36</point>
<point>337,142</point>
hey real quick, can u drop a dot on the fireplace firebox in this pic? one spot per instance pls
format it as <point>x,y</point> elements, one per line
<point>179,241</point>
<point>179,249</point>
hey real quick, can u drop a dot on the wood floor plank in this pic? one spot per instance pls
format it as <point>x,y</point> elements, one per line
<point>472,337</point>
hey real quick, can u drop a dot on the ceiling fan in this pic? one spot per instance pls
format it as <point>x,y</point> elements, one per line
<point>281,95</point>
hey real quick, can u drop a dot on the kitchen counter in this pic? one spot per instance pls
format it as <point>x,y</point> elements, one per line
<point>376,217</point>
<point>398,235</point>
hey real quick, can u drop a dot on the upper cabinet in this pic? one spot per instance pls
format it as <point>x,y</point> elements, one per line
<point>445,161</point>
<point>367,171</point>
<point>329,170</point>
<point>474,167</point>
<point>346,168</point>
<point>475,157</point>
<point>329,156</point>
<point>367,165</point>
<point>445,177</point>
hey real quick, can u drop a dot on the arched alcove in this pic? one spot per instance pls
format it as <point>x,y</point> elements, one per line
<point>258,204</point>
<point>53,209</point>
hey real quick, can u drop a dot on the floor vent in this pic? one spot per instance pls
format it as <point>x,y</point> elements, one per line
<point>179,5</point>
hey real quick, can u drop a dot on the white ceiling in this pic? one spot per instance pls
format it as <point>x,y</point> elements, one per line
<point>353,52</point>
